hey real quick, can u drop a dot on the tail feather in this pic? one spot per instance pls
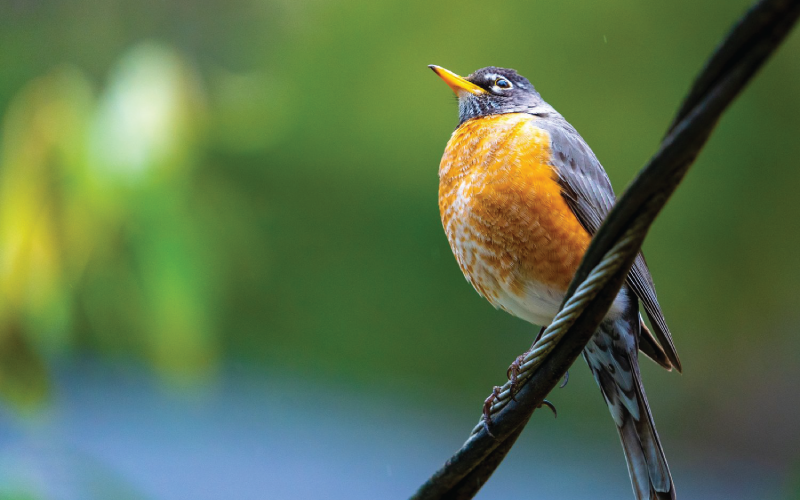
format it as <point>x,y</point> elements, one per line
<point>611,355</point>
<point>647,465</point>
<point>637,463</point>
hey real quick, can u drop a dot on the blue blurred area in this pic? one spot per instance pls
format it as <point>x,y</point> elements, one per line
<point>223,272</point>
<point>115,433</point>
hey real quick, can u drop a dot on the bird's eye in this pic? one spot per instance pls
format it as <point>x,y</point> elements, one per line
<point>502,83</point>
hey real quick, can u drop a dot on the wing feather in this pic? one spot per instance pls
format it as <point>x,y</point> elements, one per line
<point>589,194</point>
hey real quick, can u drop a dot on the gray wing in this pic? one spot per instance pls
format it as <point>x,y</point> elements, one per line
<point>588,192</point>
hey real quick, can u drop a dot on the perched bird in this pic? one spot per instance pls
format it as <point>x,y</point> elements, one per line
<point>520,196</point>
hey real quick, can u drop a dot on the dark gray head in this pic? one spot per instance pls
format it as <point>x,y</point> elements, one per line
<point>492,91</point>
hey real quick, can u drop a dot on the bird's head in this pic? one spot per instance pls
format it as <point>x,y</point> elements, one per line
<point>490,91</point>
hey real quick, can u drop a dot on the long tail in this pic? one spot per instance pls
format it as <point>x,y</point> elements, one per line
<point>647,465</point>
<point>611,355</point>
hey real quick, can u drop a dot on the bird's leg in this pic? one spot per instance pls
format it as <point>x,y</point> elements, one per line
<point>566,379</point>
<point>487,409</point>
<point>513,371</point>
<point>513,375</point>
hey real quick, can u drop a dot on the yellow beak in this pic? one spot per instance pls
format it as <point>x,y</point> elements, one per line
<point>457,83</point>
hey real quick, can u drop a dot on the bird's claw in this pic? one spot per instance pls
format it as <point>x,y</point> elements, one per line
<point>549,405</point>
<point>566,379</point>
<point>513,373</point>
<point>487,409</point>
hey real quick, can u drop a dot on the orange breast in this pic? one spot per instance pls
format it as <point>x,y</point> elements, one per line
<point>502,208</point>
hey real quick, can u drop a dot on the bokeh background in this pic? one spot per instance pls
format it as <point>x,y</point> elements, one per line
<point>223,274</point>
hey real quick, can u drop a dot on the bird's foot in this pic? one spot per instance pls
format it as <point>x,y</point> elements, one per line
<point>513,371</point>
<point>487,409</point>
<point>513,374</point>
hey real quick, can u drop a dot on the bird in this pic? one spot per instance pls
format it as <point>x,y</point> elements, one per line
<point>520,196</point>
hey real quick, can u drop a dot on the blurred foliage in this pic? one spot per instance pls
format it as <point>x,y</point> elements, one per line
<point>194,184</point>
<point>97,232</point>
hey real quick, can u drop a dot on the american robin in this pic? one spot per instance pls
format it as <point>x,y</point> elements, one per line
<point>520,196</point>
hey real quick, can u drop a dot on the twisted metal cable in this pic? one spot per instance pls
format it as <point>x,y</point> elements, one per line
<point>565,318</point>
<point>749,44</point>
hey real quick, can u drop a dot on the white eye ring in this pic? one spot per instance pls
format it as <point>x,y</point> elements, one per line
<point>502,83</point>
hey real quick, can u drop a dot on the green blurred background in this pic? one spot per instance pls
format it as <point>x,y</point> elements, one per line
<point>230,208</point>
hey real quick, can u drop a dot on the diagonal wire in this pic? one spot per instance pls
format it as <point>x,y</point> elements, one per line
<point>612,250</point>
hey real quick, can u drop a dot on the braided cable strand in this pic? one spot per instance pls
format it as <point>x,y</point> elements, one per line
<point>738,58</point>
<point>573,308</point>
